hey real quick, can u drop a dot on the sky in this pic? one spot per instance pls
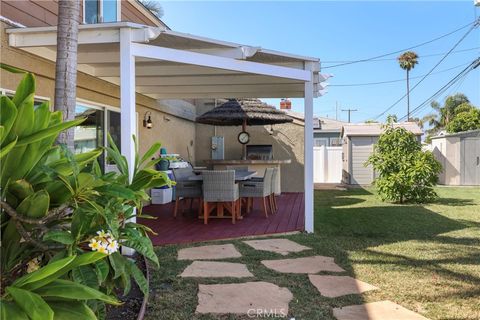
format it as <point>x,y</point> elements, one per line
<point>346,31</point>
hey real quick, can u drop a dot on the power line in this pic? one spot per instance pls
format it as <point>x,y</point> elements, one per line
<point>431,70</point>
<point>392,81</point>
<point>391,59</point>
<point>402,50</point>
<point>461,75</point>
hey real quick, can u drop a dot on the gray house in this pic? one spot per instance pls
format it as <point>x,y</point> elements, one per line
<point>358,142</point>
<point>328,132</point>
<point>459,154</point>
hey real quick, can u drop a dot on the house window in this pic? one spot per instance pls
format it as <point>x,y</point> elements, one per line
<point>36,102</point>
<point>98,11</point>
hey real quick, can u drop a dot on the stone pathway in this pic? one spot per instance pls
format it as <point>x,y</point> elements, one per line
<point>381,310</point>
<point>212,252</point>
<point>281,246</point>
<point>259,298</point>
<point>307,265</point>
<point>214,269</point>
<point>337,286</point>
<point>243,298</point>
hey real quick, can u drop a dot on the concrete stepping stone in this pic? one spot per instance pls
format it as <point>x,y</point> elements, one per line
<point>303,265</point>
<point>249,298</point>
<point>281,246</point>
<point>221,251</point>
<point>382,310</point>
<point>214,269</point>
<point>337,286</point>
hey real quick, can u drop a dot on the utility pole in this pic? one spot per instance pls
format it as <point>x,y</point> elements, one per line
<point>349,112</point>
<point>336,110</point>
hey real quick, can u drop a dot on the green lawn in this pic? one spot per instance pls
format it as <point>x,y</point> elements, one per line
<point>425,258</point>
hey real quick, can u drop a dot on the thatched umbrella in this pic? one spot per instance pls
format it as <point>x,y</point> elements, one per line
<point>243,112</point>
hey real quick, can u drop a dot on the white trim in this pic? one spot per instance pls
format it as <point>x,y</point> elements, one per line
<point>206,60</point>
<point>37,98</point>
<point>308,153</point>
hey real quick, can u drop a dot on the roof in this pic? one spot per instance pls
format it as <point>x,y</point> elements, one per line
<point>236,112</point>
<point>330,125</point>
<point>176,65</point>
<point>375,129</point>
<point>470,133</point>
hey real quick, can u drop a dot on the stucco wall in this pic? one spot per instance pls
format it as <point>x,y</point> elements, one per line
<point>447,151</point>
<point>287,141</point>
<point>175,133</point>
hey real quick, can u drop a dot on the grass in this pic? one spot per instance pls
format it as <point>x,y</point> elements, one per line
<point>423,257</point>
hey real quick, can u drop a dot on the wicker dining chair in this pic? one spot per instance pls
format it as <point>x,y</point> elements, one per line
<point>237,168</point>
<point>219,187</point>
<point>187,189</point>
<point>259,189</point>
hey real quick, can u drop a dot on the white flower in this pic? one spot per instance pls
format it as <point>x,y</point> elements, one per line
<point>94,244</point>
<point>103,234</point>
<point>33,265</point>
<point>112,246</point>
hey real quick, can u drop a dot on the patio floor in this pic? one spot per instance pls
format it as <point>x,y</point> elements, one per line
<point>188,228</point>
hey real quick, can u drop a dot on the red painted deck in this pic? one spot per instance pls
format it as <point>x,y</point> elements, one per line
<point>189,228</point>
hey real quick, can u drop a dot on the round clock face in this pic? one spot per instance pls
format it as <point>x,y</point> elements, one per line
<point>243,137</point>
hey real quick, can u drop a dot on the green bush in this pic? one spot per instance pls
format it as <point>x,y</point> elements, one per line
<point>63,221</point>
<point>405,173</point>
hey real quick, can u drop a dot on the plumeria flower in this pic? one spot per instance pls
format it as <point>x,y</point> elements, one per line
<point>33,265</point>
<point>103,234</point>
<point>102,249</point>
<point>94,244</point>
<point>112,246</point>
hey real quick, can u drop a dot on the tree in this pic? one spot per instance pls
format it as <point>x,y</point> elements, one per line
<point>443,115</point>
<point>153,6</point>
<point>405,172</point>
<point>469,119</point>
<point>407,61</point>
<point>66,65</point>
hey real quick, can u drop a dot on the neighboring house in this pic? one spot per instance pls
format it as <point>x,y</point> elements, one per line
<point>459,154</point>
<point>328,133</point>
<point>358,143</point>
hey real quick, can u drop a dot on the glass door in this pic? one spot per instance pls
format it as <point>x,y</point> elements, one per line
<point>89,134</point>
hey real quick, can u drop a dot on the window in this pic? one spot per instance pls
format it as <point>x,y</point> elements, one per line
<point>36,102</point>
<point>98,11</point>
<point>335,142</point>
<point>92,133</point>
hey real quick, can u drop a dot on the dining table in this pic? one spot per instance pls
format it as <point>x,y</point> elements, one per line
<point>240,175</point>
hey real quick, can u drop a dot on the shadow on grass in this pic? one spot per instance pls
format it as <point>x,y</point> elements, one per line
<point>455,202</point>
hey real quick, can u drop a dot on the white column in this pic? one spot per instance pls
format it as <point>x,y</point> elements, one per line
<point>308,151</point>
<point>128,121</point>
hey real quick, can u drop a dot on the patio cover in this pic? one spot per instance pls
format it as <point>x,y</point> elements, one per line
<point>164,64</point>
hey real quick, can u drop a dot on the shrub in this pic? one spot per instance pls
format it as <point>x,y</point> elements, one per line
<point>405,173</point>
<point>63,220</point>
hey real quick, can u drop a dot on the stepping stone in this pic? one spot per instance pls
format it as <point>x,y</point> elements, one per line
<point>382,310</point>
<point>221,251</point>
<point>336,286</point>
<point>303,265</point>
<point>213,269</point>
<point>281,246</point>
<point>243,298</point>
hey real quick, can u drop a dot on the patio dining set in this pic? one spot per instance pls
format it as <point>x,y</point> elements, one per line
<point>225,193</point>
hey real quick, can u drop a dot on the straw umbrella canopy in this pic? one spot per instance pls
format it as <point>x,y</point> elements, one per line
<point>242,112</point>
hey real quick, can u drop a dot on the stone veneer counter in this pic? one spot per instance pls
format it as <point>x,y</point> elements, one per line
<point>254,165</point>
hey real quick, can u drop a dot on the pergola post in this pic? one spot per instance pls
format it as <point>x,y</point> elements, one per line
<point>127,105</point>
<point>308,151</point>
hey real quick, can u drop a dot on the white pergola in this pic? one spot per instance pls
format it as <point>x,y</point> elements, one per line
<point>164,64</point>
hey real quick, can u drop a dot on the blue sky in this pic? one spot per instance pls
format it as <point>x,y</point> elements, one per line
<point>340,30</point>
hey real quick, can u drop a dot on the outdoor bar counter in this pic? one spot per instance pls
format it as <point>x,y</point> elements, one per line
<point>253,165</point>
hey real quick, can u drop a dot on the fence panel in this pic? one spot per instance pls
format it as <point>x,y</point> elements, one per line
<point>327,164</point>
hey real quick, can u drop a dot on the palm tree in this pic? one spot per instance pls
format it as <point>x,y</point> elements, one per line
<point>66,64</point>
<point>407,61</point>
<point>154,6</point>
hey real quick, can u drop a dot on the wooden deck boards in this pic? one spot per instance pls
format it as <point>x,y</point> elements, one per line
<point>188,228</point>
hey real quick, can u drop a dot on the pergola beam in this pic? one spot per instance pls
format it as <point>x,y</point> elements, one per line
<point>205,60</point>
<point>238,95</point>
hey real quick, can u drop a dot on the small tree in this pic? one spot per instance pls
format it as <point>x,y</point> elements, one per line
<point>467,118</point>
<point>405,172</point>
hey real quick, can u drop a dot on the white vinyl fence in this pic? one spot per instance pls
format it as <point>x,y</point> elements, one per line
<point>327,164</point>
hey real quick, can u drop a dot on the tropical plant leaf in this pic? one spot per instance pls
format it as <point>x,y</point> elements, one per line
<point>25,88</point>
<point>5,150</point>
<point>86,275</point>
<point>11,311</point>
<point>67,289</point>
<point>116,190</point>
<point>8,116</point>
<point>102,268</point>
<point>139,277</point>
<point>31,303</point>
<point>44,272</point>
<point>150,153</point>
<point>141,244</point>
<point>72,311</point>
<point>60,236</point>
<point>11,69</point>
